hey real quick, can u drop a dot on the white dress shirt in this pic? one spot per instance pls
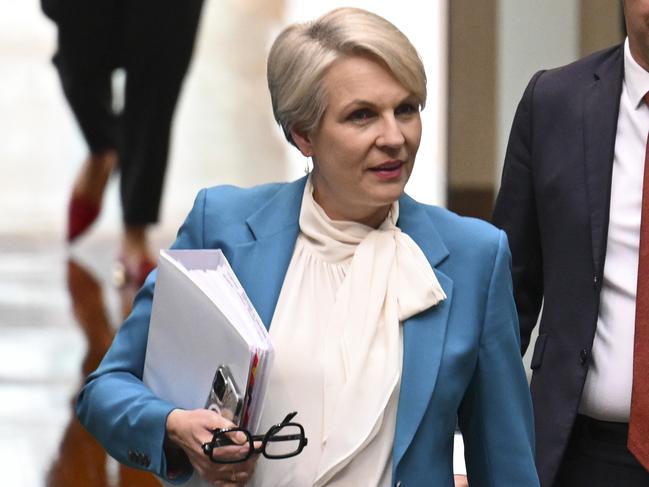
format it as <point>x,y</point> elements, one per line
<point>607,391</point>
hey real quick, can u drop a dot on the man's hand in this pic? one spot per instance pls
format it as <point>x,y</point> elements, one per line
<point>461,481</point>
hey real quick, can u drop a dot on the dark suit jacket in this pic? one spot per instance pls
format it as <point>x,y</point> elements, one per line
<point>554,206</point>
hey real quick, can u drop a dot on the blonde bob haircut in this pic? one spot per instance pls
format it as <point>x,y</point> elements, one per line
<point>302,53</point>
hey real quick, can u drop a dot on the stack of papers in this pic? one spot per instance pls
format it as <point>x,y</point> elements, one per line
<point>205,338</point>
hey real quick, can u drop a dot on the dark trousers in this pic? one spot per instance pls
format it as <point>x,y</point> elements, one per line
<point>597,456</point>
<point>152,40</point>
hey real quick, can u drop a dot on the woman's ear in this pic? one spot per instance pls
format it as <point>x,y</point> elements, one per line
<point>303,142</point>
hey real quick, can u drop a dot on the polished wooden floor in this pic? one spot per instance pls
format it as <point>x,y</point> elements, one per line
<point>80,460</point>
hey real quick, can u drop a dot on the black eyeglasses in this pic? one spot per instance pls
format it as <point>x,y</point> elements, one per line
<point>282,440</point>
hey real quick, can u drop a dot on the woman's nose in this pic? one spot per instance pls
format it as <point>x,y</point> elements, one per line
<point>391,134</point>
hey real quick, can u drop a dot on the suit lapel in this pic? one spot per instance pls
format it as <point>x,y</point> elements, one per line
<point>261,264</point>
<point>601,107</point>
<point>423,334</point>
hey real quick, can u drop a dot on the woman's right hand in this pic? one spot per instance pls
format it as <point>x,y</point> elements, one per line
<point>190,429</point>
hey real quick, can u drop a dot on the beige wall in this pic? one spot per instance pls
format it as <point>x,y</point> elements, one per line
<point>494,48</point>
<point>600,25</point>
<point>472,109</point>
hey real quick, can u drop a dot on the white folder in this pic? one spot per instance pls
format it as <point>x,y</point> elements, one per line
<point>201,319</point>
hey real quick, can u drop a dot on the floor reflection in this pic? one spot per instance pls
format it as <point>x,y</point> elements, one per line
<point>81,460</point>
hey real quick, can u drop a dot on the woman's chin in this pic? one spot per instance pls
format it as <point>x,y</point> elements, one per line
<point>385,195</point>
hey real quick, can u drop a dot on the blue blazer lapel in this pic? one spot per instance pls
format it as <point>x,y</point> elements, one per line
<point>261,264</point>
<point>423,334</point>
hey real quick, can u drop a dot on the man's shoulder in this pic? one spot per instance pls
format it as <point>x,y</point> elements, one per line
<point>609,60</point>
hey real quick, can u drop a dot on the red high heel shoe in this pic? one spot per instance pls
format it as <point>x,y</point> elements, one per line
<point>88,190</point>
<point>133,274</point>
<point>82,213</point>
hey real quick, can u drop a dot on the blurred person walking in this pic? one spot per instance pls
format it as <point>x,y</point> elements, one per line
<point>152,40</point>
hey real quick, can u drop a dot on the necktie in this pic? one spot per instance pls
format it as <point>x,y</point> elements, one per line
<point>638,441</point>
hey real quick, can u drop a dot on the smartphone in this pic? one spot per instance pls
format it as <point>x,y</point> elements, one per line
<point>225,397</point>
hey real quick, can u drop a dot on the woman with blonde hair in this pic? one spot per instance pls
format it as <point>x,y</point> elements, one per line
<point>392,321</point>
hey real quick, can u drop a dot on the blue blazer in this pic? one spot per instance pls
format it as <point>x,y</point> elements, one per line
<point>461,360</point>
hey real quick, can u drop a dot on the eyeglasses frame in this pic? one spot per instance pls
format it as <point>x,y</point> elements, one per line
<point>269,437</point>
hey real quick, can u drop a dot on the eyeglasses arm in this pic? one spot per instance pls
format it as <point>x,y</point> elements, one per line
<point>288,418</point>
<point>278,437</point>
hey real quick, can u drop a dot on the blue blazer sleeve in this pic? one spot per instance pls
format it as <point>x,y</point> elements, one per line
<point>495,416</point>
<point>114,405</point>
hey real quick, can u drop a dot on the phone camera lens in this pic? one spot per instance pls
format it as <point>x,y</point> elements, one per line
<point>219,386</point>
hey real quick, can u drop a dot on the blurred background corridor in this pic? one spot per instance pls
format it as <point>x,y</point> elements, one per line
<point>59,306</point>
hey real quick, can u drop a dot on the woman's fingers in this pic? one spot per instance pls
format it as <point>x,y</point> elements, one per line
<point>233,437</point>
<point>230,476</point>
<point>230,452</point>
<point>191,429</point>
<point>234,473</point>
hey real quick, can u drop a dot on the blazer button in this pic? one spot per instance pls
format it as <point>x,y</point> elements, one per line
<point>398,484</point>
<point>595,281</point>
<point>584,355</point>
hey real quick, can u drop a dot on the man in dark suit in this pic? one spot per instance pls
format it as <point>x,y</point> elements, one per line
<point>571,204</point>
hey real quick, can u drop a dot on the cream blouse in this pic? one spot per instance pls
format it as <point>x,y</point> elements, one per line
<point>338,347</point>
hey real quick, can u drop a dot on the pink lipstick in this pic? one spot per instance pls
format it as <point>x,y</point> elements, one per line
<point>388,170</point>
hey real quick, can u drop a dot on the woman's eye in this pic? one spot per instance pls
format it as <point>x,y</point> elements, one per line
<point>406,109</point>
<point>360,115</point>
